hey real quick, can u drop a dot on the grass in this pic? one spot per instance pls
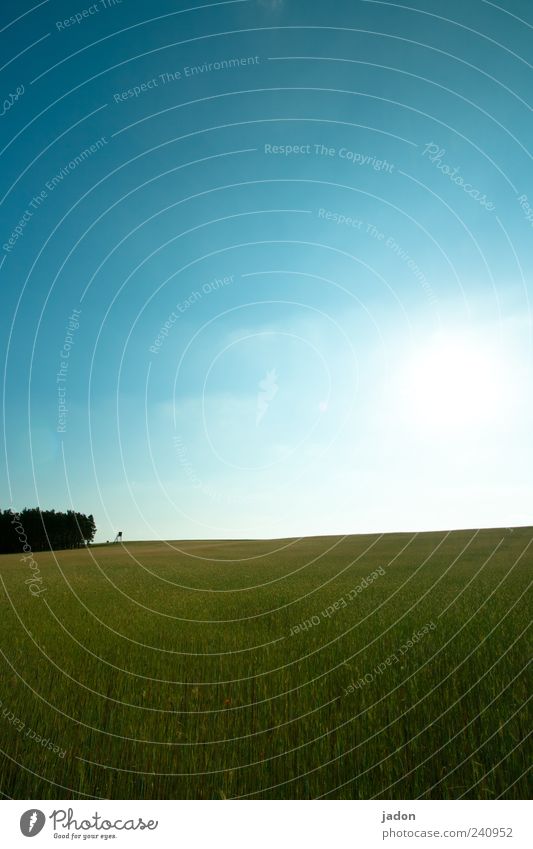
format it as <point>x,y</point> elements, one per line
<point>175,670</point>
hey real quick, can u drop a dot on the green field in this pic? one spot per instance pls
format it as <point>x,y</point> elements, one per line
<point>176,670</point>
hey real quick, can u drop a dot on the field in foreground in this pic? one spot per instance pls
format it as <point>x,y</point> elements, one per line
<point>183,670</point>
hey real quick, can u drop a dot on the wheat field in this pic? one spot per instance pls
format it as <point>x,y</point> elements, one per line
<point>380,666</point>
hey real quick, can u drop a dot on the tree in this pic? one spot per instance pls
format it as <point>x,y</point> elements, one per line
<point>33,529</point>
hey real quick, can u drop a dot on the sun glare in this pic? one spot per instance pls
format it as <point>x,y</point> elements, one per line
<point>453,381</point>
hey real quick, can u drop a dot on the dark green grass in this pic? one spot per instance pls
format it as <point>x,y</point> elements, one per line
<point>168,673</point>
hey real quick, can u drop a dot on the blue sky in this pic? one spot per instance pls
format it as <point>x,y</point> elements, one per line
<point>298,243</point>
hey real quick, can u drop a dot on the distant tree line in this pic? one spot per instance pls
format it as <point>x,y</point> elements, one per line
<point>42,530</point>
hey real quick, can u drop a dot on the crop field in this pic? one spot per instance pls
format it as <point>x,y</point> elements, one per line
<point>381,666</point>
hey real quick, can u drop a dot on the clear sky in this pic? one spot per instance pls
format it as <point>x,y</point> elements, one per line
<point>266,264</point>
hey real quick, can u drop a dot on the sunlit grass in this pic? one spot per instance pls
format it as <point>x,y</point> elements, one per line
<point>160,674</point>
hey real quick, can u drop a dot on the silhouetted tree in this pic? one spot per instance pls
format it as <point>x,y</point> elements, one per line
<point>39,530</point>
